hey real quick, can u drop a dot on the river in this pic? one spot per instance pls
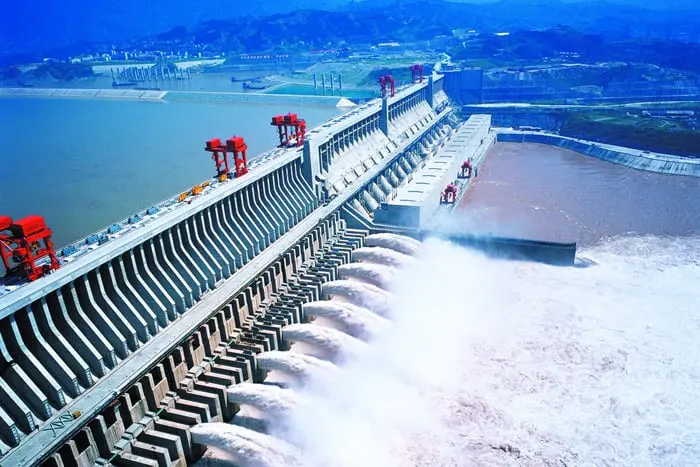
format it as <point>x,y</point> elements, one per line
<point>549,193</point>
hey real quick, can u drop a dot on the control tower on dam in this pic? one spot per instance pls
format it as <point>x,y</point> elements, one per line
<point>113,358</point>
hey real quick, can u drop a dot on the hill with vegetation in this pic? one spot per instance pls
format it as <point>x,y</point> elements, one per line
<point>664,135</point>
<point>310,25</point>
<point>531,46</point>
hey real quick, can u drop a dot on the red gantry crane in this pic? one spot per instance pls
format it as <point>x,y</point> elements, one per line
<point>449,196</point>
<point>417,72</point>
<point>237,147</point>
<point>26,248</point>
<point>466,169</point>
<point>387,80</point>
<point>291,129</point>
<point>234,145</point>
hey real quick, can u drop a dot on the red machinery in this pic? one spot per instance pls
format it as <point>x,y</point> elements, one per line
<point>417,71</point>
<point>292,130</point>
<point>219,156</point>
<point>26,248</point>
<point>387,80</point>
<point>449,196</point>
<point>466,169</point>
<point>234,145</point>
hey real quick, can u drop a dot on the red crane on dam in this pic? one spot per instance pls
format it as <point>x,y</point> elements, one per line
<point>234,145</point>
<point>416,73</point>
<point>387,80</point>
<point>291,130</point>
<point>467,169</point>
<point>26,248</point>
<point>449,195</point>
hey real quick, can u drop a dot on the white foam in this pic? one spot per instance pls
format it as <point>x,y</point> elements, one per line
<point>244,447</point>
<point>294,364</point>
<point>515,363</point>
<point>400,243</point>
<point>381,255</point>
<point>273,401</point>
<point>356,321</point>
<point>375,274</point>
<point>335,343</point>
<point>361,294</point>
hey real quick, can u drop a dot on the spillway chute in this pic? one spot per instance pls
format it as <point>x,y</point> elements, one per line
<point>332,343</point>
<point>355,320</point>
<point>360,294</point>
<point>375,274</point>
<point>399,243</point>
<point>269,399</point>
<point>294,364</point>
<point>381,255</point>
<point>246,447</point>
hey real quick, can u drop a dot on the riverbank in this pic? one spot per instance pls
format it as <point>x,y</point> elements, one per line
<point>192,96</point>
<point>251,98</point>
<point>641,160</point>
<point>83,93</point>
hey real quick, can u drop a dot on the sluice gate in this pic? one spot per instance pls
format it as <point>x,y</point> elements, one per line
<point>110,359</point>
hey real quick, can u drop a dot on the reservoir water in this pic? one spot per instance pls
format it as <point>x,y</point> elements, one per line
<point>83,164</point>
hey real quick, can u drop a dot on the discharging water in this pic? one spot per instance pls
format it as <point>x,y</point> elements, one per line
<point>516,363</point>
<point>237,445</point>
<point>273,401</point>
<point>360,294</point>
<point>355,320</point>
<point>375,274</point>
<point>332,344</point>
<point>294,364</point>
<point>489,362</point>
<point>381,255</point>
<point>400,243</point>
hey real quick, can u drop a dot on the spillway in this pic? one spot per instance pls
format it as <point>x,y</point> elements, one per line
<point>114,358</point>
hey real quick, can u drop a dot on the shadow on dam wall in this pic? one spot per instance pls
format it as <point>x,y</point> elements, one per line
<point>641,160</point>
<point>554,253</point>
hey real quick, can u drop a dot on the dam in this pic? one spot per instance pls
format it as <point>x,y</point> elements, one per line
<point>116,356</point>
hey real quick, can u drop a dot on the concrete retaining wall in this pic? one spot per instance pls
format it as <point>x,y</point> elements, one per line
<point>131,94</point>
<point>83,93</point>
<point>252,98</point>
<point>641,160</point>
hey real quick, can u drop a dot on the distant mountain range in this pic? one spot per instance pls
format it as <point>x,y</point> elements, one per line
<point>251,26</point>
<point>413,20</point>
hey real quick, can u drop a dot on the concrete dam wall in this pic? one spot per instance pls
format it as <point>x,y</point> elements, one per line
<point>116,357</point>
<point>109,359</point>
<point>641,160</point>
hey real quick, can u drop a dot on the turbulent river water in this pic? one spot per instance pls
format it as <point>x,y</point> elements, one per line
<point>491,362</point>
